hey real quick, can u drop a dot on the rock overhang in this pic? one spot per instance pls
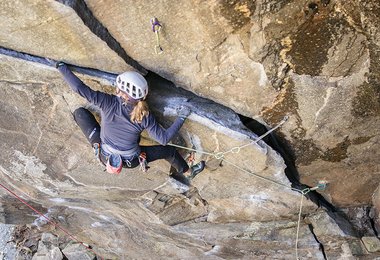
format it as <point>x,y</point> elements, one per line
<point>220,131</point>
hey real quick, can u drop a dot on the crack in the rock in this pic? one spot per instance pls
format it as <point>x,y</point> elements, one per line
<point>202,218</point>
<point>166,94</point>
<point>321,246</point>
<point>199,62</point>
<point>372,221</point>
<point>291,171</point>
<point>362,49</point>
<point>82,10</point>
<point>283,72</point>
<point>51,63</point>
<point>350,44</point>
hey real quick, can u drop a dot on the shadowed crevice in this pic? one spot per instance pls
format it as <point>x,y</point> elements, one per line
<point>321,247</point>
<point>283,148</point>
<point>166,95</point>
<point>372,221</point>
<point>49,62</point>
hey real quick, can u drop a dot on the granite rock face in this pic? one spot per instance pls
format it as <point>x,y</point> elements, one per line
<point>48,158</point>
<point>52,30</point>
<point>316,62</point>
<point>329,52</point>
<point>205,47</point>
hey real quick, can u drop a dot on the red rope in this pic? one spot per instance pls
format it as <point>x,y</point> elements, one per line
<point>50,221</point>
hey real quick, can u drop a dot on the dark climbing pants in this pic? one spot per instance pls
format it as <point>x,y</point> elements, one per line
<point>91,129</point>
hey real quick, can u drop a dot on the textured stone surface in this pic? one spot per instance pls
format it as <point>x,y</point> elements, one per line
<point>55,165</point>
<point>18,242</point>
<point>221,187</point>
<point>372,244</point>
<point>315,61</point>
<point>47,251</point>
<point>256,240</point>
<point>327,71</point>
<point>204,46</point>
<point>50,29</point>
<point>7,250</point>
<point>376,209</point>
<point>77,252</point>
<point>338,241</point>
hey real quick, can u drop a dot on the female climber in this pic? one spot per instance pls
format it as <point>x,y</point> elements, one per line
<point>123,117</point>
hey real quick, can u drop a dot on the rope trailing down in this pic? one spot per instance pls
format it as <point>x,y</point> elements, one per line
<point>237,149</point>
<point>50,221</point>
<point>220,156</point>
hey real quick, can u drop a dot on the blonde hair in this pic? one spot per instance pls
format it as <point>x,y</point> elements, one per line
<point>140,110</point>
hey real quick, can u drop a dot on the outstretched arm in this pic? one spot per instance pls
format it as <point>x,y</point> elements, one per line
<point>96,97</point>
<point>161,135</point>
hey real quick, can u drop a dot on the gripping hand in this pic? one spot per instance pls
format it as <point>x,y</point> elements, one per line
<point>183,111</point>
<point>59,64</point>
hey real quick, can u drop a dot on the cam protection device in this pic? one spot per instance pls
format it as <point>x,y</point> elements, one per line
<point>132,83</point>
<point>114,164</point>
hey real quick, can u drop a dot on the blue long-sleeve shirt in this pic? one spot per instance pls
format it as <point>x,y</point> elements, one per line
<point>117,129</point>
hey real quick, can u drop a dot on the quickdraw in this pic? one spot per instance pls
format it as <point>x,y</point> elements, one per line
<point>156,28</point>
<point>96,148</point>
<point>143,162</point>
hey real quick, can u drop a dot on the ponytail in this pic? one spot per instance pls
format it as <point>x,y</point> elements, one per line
<point>140,110</point>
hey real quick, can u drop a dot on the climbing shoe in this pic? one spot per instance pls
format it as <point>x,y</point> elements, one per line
<point>196,169</point>
<point>181,178</point>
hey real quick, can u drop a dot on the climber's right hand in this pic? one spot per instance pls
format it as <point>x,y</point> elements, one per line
<point>183,111</point>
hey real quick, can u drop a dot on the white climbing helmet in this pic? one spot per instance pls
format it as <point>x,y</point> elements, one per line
<point>133,84</point>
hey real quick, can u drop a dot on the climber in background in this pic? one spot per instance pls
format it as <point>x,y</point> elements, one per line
<point>123,117</point>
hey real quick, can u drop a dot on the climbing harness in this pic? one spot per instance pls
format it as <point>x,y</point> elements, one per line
<point>124,154</point>
<point>72,237</point>
<point>143,162</point>
<point>220,156</point>
<point>156,28</point>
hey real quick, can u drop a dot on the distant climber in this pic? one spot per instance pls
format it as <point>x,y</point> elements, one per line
<point>123,117</point>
